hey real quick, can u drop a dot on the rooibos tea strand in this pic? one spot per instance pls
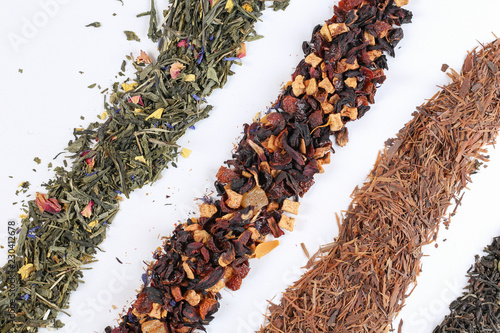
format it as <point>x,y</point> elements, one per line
<point>274,162</point>
<point>361,280</point>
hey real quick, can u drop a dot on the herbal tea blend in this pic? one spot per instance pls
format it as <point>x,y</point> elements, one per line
<point>143,120</point>
<point>478,309</point>
<point>359,282</point>
<point>272,166</point>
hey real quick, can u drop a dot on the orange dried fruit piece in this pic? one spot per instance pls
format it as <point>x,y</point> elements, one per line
<point>255,197</point>
<point>350,112</point>
<point>351,82</point>
<point>287,222</point>
<point>291,206</point>
<point>311,86</point>
<point>188,270</point>
<point>156,311</point>
<point>234,199</point>
<point>325,32</point>
<point>335,122</point>
<point>264,248</point>
<point>298,86</point>
<point>201,236</point>
<point>153,326</point>
<point>313,60</point>
<point>207,210</point>
<point>337,28</point>
<point>327,85</point>
<point>207,305</point>
<point>192,297</point>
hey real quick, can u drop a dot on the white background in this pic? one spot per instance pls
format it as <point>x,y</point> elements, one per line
<point>40,107</point>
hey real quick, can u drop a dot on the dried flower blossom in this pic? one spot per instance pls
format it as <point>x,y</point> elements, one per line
<point>175,69</point>
<point>143,58</point>
<point>50,205</point>
<point>87,211</point>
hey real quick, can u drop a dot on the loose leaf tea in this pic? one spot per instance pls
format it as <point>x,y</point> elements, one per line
<point>273,165</point>
<point>359,282</point>
<point>143,119</point>
<point>478,309</point>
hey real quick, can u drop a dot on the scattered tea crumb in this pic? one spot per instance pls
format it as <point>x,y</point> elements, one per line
<point>444,67</point>
<point>37,160</point>
<point>81,72</point>
<point>131,35</point>
<point>94,24</point>
<point>21,70</point>
<point>119,260</point>
<point>92,85</point>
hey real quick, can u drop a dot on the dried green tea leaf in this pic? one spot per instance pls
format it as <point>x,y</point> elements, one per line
<point>131,36</point>
<point>94,24</point>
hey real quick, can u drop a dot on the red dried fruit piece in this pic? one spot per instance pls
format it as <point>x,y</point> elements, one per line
<point>225,175</point>
<point>242,271</point>
<point>176,293</point>
<point>234,283</point>
<point>206,306</point>
<point>347,5</point>
<point>289,104</point>
<point>143,304</point>
<point>315,119</point>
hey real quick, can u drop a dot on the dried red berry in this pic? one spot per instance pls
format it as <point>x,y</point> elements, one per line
<point>234,283</point>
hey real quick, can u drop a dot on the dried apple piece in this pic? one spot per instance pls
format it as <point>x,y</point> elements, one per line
<point>298,86</point>
<point>292,206</point>
<point>287,222</point>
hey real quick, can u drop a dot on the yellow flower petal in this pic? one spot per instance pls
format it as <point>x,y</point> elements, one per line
<point>141,159</point>
<point>157,114</point>
<point>247,7</point>
<point>190,78</point>
<point>23,216</point>
<point>129,86</point>
<point>229,5</point>
<point>26,270</point>
<point>185,152</point>
<point>93,224</point>
<point>214,2</point>
<point>103,115</point>
<point>138,110</point>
